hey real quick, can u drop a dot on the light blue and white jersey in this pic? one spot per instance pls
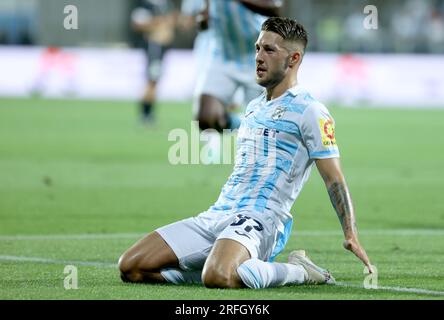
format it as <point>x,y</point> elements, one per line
<point>277,144</point>
<point>235,29</point>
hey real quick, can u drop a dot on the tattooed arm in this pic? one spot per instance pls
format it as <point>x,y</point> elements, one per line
<point>330,170</point>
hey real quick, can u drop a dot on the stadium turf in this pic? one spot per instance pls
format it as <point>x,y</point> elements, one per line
<point>82,180</point>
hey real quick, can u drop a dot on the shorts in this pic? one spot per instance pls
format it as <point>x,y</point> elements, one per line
<point>192,239</point>
<point>155,53</point>
<point>222,80</point>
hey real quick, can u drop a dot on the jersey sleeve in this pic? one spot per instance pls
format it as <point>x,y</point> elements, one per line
<point>318,132</point>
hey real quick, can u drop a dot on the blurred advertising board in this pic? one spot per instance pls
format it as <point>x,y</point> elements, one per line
<point>388,80</point>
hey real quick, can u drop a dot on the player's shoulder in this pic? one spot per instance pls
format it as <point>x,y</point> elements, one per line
<point>302,101</point>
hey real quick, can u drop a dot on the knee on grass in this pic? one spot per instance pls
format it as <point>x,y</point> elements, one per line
<point>218,278</point>
<point>129,272</point>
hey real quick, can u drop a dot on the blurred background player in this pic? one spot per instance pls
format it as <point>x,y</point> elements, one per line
<point>155,20</point>
<point>194,15</point>
<point>233,28</point>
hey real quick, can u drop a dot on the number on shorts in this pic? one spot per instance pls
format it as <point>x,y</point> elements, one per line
<point>248,228</point>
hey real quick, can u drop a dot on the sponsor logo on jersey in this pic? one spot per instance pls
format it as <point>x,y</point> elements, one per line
<point>245,132</point>
<point>327,128</point>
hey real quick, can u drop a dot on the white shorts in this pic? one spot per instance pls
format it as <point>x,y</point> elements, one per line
<point>192,239</point>
<point>222,80</point>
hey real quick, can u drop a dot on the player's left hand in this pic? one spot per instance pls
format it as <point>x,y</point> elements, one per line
<point>353,245</point>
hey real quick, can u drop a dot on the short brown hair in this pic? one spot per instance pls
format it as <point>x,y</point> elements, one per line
<point>288,29</point>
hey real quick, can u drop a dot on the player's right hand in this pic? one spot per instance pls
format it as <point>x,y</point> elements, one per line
<point>353,245</point>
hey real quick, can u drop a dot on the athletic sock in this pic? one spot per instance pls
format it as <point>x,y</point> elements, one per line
<point>258,274</point>
<point>146,110</point>
<point>178,276</point>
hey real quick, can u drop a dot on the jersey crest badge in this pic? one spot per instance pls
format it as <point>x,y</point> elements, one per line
<point>278,113</point>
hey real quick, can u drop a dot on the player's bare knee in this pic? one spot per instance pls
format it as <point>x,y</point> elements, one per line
<point>218,278</point>
<point>125,268</point>
<point>128,269</point>
<point>214,279</point>
<point>131,275</point>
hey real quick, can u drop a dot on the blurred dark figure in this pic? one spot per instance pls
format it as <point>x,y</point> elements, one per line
<point>155,20</point>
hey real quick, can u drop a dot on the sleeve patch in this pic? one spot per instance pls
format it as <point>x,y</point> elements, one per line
<point>327,128</point>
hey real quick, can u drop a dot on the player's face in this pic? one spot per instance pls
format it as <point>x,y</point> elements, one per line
<point>271,59</point>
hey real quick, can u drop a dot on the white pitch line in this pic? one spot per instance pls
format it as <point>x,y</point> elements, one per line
<point>296,233</point>
<point>56,261</point>
<point>397,289</point>
<point>113,265</point>
<point>86,236</point>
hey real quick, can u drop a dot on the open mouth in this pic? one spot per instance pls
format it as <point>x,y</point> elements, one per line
<point>260,71</point>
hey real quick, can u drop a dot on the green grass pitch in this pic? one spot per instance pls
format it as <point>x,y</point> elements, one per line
<point>82,180</point>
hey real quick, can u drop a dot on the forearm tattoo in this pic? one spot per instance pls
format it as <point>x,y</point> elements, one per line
<point>341,200</point>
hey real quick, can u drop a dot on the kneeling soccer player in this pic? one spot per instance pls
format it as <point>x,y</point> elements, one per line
<point>284,133</point>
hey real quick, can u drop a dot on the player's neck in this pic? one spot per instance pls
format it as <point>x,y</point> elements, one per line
<point>281,88</point>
